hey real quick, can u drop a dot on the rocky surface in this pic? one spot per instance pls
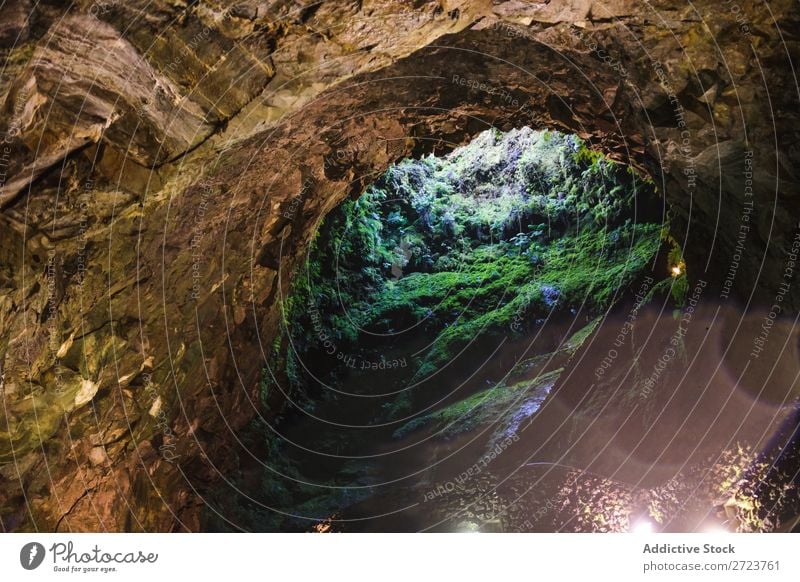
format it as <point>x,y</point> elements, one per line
<point>163,166</point>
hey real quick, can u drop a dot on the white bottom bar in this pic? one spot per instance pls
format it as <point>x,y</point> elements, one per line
<point>400,557</point>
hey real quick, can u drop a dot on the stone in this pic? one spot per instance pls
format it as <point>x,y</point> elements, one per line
<point>87,391</point>
<point>160,143</point>
<point>98,456</point>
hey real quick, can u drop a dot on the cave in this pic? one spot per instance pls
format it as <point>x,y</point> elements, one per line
<point>429,321</point>
<point>169,171</point>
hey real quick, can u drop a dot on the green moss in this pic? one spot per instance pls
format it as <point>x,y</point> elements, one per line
<point>490,293</point>
<point>480,409</point>
<point>580,336</point>
<point>488,240</point>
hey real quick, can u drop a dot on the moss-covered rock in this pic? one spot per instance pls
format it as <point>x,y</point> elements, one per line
<point>504,409</point>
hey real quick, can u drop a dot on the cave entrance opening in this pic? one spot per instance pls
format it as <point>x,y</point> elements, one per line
<point>434,314</point>
<point>493,239</point>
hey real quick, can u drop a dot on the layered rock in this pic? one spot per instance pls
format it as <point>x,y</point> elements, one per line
<point>166,165</point>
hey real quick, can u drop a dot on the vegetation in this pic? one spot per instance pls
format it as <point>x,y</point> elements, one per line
<point>491,239</point>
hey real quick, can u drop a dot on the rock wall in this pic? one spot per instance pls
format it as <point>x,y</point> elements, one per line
<point>164,166</point>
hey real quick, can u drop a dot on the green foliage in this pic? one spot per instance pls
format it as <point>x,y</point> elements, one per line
<point>587,155</point>
<point>503,231</point>
<point>677,284</point>
<point>500,283</point>
<point>680,287</point>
